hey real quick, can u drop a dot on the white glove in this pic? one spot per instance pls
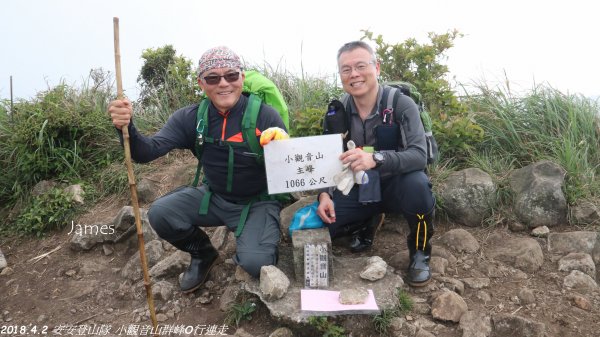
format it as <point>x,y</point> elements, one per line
<point>346,179</point>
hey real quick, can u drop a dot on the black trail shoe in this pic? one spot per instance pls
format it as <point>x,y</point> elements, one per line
<point>197,272</point>
<point>363,238</point>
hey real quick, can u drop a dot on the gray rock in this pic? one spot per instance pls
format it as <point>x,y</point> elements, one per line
<point>107,249</point>
<point>572,242</point>
<point>586,213</point>
<point>241,275</point>
<point>3,262</point>
<point>147,190</point>
<point>133,268</point>
<point>539,199</point>
<point>448,306</point>
<point>424,333</point>
<point>6,271</point>
<point>509,325</point>
<point>172,265</point>
<point>475,324</point>
<point>76,193</point>
<point>353,296</point>
<point>439,251</point>
<point>483,296</point>
<point>526,296</point>
<point>273,283</point>
<point>522,253</point>
<point>452,284</point>
<point>579,281</point>
<point>438,265</point>
<point>401,328</point>
<point>459,240</point>
<point>375,269</point>
<point>229,297</point>
<point>400,260</point>
<point>541,231</point>
<point>82,242</point>
<point>219,237</point>
<point>578,261</point>
<point>468,196</point>
<point>517,226</point>
<point>477,282</point>
<point>282,332</point>
<point>163,290</point>
<point>42,187</point>
<point>581,302</point>
<point>161,317</point>
<point>496,269</point>
<point>242,333</point>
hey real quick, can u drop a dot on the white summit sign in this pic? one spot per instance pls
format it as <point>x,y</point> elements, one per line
<point>304,163</point>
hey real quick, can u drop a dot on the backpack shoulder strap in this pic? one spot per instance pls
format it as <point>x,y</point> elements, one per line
<point>389,100</point>
<point>249,126</point>
<point>345,99</point>
<point>201,132</point>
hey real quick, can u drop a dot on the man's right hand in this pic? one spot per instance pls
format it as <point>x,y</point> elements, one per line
<point>325,210</point>
<point>120,112</point>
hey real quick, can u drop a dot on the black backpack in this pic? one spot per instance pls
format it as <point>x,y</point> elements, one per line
<point>338,121</point>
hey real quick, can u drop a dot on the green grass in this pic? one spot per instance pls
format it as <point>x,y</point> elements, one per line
<point>327,328</point>
<point>403,306</point>
<point>240,312</point>
<point>542,124</point>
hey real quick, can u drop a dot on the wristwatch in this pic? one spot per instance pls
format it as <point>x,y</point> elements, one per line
<point>379,158</point>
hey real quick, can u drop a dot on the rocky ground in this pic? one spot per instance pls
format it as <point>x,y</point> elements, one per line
<point>487,282</point>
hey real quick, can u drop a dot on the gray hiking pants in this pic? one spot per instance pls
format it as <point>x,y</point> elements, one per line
<point>174,216</point>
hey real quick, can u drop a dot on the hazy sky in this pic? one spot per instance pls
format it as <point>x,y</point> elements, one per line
<point>552,42</point>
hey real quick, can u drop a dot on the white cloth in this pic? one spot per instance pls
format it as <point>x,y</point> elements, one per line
<point>346,179</point>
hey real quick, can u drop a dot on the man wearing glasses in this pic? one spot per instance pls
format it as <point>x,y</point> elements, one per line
<point>397,181</point>
<point>237,200</point>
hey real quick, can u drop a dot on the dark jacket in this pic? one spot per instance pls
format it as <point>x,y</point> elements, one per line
<point>411,158</point>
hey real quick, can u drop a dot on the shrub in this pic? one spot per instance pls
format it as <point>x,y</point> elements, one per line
<point>51,210</point>
<point>62,134</point>
<point>168,83</point>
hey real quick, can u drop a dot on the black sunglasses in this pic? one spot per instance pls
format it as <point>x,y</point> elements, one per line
<point>216,79</point>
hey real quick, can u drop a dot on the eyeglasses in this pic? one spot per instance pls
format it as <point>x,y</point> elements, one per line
<point>216,79</point>
<point>360,67</point>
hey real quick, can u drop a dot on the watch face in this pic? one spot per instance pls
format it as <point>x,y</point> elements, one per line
<point>378,156</point>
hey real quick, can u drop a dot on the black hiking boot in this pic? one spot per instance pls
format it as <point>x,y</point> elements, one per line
<point>362,239</point>
<point>421,231</point>
<point>204,256</point>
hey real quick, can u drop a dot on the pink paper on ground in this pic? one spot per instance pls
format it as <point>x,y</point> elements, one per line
<point>328,300</point>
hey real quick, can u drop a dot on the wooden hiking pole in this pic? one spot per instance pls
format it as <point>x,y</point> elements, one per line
<point>132,186</point>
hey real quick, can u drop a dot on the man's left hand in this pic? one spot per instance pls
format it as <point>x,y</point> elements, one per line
<point>359,160</point>
<point>272,133</point>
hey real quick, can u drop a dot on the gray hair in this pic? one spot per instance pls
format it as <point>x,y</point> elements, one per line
<point>350,46</point>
